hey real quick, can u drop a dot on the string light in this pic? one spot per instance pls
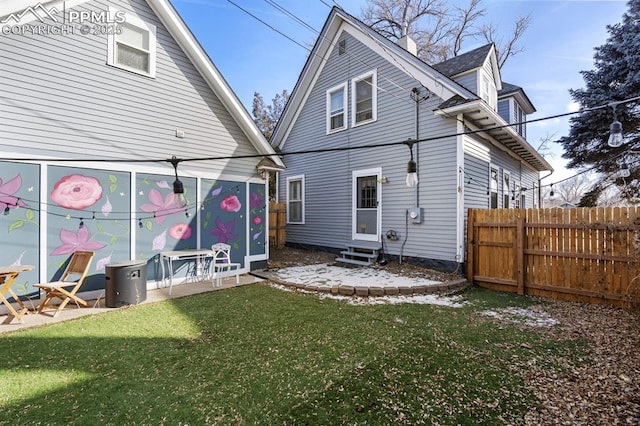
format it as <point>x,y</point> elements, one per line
<point>412,169</point>
<point>615,130</point>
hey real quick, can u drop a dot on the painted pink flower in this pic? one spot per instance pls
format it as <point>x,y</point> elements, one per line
<point>161,207</point>
<point>160,241</point>
<point>230,204</point>
<point>224,231</point>
<point>6,194</point>
<point>72,241</point>
<point>256,200</point>
<point>76,192</point>
<point>257,220</point>
<point>180,231</point>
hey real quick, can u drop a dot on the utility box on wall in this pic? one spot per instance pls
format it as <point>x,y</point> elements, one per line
<point>415,214</point>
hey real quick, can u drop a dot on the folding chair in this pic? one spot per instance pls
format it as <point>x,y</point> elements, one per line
<point>66,288</point>
<point>222,261</point>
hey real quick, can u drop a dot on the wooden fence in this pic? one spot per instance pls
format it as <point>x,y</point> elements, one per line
<point>582,254</point>
<point>277,222</point>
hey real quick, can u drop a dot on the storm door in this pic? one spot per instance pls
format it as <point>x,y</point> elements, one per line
<point>366,204</point>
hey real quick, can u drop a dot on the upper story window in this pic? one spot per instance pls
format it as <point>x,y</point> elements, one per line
<point>337,108</point>
<point>133,47</point>
<point>488,91</point>
<point>520,118</point>
<point>364,98</point>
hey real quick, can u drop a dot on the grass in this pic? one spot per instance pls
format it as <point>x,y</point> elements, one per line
<point>257,355</point>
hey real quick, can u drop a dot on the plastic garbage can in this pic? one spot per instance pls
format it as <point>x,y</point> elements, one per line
<point>126,283</point>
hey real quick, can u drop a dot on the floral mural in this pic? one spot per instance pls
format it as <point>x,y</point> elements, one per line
<point>92,210</point>
<point>88,210</point>
<point>224,217</point>
<point>20,221</point>
<point>163,224</point>
<point>257,212</point>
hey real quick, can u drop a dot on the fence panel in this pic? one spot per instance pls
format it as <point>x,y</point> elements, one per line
<point>586,255</point>
<point>277,223</point>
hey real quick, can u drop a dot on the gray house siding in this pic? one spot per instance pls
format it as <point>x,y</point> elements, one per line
<point>328,176</point>
<point>468,81</point>
<point>478,158</point>
<point>74,88</point>
<point>59,100</point>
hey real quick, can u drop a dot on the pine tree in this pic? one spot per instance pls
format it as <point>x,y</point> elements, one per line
<point>615,79</point>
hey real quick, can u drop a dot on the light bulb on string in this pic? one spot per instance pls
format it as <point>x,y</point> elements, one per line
<point>412,167</point>
<point>624,170</point>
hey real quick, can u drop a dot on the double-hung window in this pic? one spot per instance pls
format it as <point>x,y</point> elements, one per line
<point>493,187</point>
<point>133,47</point>
<point>295,199</point>
<point>364,98</point>
<point>337,108</point>
<point>505,189</point>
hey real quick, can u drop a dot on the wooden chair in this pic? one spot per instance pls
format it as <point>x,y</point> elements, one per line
<point>222,262</point>
<point>69,283</point>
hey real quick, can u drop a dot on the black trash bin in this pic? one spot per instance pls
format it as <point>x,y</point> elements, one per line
<point>126,283</point>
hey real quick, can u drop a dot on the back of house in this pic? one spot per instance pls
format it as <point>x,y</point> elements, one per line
<point>373,109</point>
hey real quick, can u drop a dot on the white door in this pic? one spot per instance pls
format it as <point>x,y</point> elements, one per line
<point>366,211</point>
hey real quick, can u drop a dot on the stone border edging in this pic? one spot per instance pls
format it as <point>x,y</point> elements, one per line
<point>367,291</point>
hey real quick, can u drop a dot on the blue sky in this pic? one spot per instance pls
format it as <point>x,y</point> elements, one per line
<point>557,46</point>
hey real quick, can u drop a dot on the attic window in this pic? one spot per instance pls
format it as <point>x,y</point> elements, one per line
<point>342,47</point>
<point>133,46</point>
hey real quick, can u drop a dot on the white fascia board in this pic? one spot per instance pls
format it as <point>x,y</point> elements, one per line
<point>307,80</point>
<point>437,83</point>
<point>212,76</point>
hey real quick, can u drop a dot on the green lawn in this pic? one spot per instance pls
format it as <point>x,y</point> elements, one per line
<point>258,355</point>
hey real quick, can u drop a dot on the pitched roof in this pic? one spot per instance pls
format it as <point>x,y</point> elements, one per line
<point>518,93</point>
<point>192,48</point>
<point>465,61</point>
<point>456,97</point>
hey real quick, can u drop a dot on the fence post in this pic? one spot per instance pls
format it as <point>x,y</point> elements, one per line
<point>470,246</point>
<point>519,252</point>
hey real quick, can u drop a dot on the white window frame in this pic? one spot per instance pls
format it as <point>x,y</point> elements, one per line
<point>497,169</point>
<point>330,92</point>
<point>290,179</point>
<point>516,194</point>
<point>140,24</point>
<point>505,188</point>
<point>374,98</point>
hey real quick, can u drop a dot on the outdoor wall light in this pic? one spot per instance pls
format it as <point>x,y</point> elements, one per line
<point>178,187</point>
<point>412,167</point>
